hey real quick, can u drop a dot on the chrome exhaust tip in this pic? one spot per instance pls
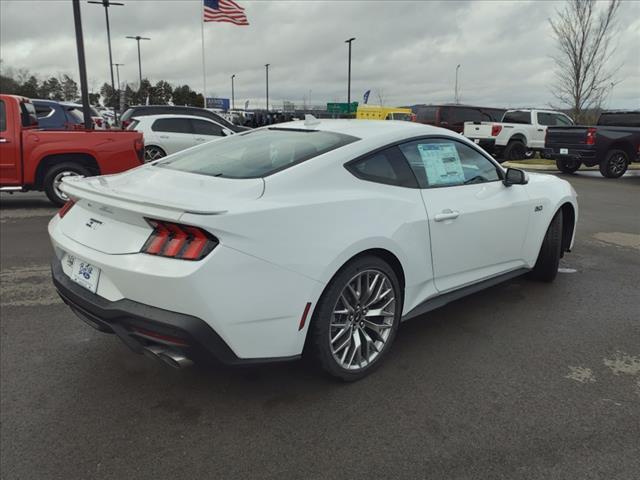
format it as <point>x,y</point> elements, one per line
<point>153,352</point>
<point>174,359</point>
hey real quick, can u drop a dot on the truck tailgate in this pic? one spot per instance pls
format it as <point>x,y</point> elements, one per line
<point>478,129</point>
<point>566,137</point>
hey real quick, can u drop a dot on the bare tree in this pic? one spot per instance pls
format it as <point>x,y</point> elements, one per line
<point>583,33</point>
<point>381,96</point>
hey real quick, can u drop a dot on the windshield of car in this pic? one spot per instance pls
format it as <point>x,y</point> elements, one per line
<point>257,153</point>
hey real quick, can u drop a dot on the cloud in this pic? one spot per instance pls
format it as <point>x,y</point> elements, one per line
<point>408,50</point>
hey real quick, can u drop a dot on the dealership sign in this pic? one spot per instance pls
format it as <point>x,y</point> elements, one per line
<point>221,103</point>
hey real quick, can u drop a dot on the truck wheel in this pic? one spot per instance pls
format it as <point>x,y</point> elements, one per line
<point>53,179</point>
<point>515,150</point>
<point>546,267</point>
<point>567,166</point>
<point>614,164</point>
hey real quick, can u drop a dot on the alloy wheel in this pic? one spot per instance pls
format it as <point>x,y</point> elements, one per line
<point>57,181</point>
<point>152,153</point>
<point>617,164</point>
<point>362,319</point>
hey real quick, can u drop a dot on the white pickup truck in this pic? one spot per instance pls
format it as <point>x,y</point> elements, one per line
<point>518,135</point>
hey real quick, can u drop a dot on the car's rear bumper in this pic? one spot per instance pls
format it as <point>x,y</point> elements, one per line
<point>139,325</point>
<point>487,144</point>
<point>586,156</point>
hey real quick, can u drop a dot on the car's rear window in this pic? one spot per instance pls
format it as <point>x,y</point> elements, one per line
<point>256,153</point>
<point>622,119</point>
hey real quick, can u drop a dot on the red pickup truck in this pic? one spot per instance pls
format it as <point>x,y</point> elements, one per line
<point>33,159</point>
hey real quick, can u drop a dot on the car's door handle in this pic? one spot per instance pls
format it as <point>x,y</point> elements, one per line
<point>4,140</point>
<point>200,139</point>
<point>541,129</point>
<point>447,214</point>
<point>164,136</point>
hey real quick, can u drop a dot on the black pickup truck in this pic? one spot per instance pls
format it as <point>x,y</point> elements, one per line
<point>612,144</point>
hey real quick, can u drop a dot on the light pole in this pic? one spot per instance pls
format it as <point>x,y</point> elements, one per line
<point>118,65</point>
<point>84,88</point>
<point>137,38</point>
<point>349,78</point>
<point>233,102</point>
<point>266,66</point>
<point>106,4</point>
<point>457,95</point>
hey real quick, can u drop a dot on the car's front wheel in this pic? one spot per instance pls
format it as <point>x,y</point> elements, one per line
<point>546,267</point>
<point>356,319</point>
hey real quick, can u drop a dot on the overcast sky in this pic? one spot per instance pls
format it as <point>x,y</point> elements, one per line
<point>406,50</point>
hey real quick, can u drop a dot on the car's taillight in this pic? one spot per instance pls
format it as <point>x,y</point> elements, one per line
<point>138,145</point>
<point>495,130</point>
<point>591,136</point>
<point>178,241</point>
<point>66,207</point>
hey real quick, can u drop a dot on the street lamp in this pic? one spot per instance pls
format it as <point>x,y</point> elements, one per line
<point>349,78</point>
<point>118,65</point>
<point>232,93</point>
<point>266,66</point>
<point>456,93</point>
<point>137,38</point>
<point>84,89</point>
<point>106,4</point>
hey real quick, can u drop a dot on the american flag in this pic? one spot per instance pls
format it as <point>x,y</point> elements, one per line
<point>224,11</point>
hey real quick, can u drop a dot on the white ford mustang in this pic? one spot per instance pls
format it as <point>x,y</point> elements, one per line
<point>314,237</point>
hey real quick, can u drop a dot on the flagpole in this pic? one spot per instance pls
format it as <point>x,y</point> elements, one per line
<point>204,69</point>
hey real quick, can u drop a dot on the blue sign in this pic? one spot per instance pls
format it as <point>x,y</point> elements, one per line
<point>221,103</point>
<point>366,96</point>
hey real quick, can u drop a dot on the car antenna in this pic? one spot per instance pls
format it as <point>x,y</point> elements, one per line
<point>310,120</point>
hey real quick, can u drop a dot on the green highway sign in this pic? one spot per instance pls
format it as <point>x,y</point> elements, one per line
<point>342,107</point>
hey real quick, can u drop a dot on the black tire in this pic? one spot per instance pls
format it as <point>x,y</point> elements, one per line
<point>515,150</point>
<point>54,174</point>
<point>529,154</point>
<point>319,348</point>
<point>152,152</point>
<point>614,164</point>
<point>546,267</point>
<point>568,166</point>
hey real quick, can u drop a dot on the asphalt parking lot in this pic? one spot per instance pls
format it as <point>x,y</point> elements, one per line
<point>524,380</point>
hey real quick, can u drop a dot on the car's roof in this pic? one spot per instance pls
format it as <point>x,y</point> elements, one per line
<point>366,128</point>
<point>171,115</point>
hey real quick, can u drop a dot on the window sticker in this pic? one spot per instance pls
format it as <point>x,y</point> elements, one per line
<point>442,164</point>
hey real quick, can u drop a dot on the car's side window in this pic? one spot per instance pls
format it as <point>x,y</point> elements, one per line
<point>386,166</point>
<point>440,162</point>
<point>202,127</point>
<point>3,117</point>
<point>563,120</point>
<point>172,125</point>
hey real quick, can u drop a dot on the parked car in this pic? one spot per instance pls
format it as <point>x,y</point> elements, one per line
<point>315,237</point>
<point>519,132</point>
<point>167,134</point>
<point>34,159</point>
<point>144,110</point>
<point>453,117</point>
<point>612,144</point>
<point>54,115</point>
<point>377,112</point>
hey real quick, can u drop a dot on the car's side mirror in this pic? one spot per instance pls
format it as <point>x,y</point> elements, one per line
<point>515,176</point>
<point>226,132</point>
